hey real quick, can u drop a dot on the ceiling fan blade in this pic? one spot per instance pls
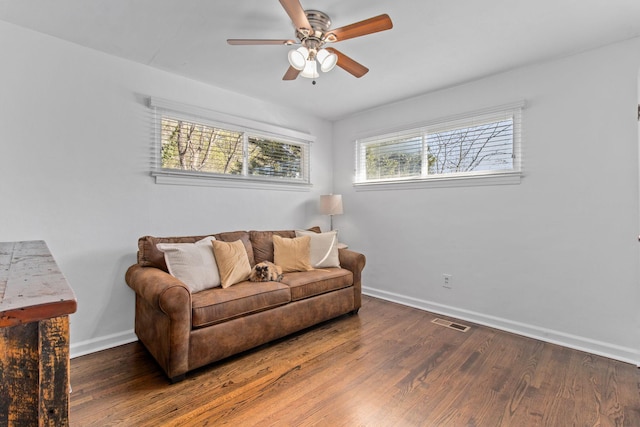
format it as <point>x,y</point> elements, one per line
<point>259,42</point>
<point>348,64</point>
<point>296,13</point>
<point>291,74</point>
<point>362,28</point>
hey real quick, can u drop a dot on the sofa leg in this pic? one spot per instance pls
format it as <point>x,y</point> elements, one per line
<point>177,378</point>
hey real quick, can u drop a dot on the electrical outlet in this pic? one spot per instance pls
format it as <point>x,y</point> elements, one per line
<point>447,281</point>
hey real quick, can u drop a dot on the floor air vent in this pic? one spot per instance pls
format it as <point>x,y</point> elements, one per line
<point>452,325</point>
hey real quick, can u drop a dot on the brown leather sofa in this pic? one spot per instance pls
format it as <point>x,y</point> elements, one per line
<point>185,331</point>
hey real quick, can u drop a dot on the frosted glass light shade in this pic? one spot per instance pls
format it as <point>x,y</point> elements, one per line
<point>310,70</point>
<point>327,60</point>
<point>298,57</point>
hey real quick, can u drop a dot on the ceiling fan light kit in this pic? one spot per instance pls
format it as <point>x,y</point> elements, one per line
<point>327,60</point>
<point>310,70</point>
<point>298,57</point>
<point>303,59</point>
<point>312,29</point>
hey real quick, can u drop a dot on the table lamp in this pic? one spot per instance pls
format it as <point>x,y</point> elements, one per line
<point>331,204</point>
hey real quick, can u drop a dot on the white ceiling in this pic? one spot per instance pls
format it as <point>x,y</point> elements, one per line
<point>433,44</point>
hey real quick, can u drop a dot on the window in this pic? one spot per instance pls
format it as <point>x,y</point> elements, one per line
<point>483,145</point>
<point>193,147</point>
<point>190,146</point>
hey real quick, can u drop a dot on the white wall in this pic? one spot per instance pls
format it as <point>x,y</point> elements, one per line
<point>75,141</point>
<point>555,257</point>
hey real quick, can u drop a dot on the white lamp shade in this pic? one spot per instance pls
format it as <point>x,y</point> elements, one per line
<point>310,70</point>
<point>327,60</point>
<point>298,57</point>
<point>331,204</point>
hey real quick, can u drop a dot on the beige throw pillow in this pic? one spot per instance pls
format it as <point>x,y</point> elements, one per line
<point>192,263</point>
<point>324,248</point>
<point>232,261</point>
<point>292,254</point>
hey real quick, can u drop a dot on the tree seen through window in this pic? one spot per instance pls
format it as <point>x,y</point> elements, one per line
<point>195,147</point>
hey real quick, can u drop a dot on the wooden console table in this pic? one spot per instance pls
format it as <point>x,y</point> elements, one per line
<point>35,303</point>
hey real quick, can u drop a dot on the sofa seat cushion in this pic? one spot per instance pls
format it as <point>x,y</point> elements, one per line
<point>218,304</point>
<point>305,284</point>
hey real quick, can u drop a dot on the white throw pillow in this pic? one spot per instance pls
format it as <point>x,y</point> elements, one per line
<point>324,248</point>
<point>192,263</point>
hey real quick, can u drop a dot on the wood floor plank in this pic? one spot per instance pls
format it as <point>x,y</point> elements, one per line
<point>387,366</point>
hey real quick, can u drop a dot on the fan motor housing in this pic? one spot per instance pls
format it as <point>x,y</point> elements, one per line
<point>320,23</point>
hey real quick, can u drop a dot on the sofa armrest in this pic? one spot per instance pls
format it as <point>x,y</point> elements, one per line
<point>354,262</point>
<point>160,290</point>
<point>163,317</point>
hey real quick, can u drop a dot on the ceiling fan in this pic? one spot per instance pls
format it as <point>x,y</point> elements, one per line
<point>313,31</point>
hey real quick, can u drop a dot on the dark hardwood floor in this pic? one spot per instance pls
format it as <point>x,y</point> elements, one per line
<point>387,366</point>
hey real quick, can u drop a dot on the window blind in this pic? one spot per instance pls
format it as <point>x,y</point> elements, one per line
<point>196,147</point>
<point>279,159</point>
<point>476,144</point>
<point>193,146</point>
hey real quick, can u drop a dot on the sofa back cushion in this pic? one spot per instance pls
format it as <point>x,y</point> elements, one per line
<point>259,245</point>
<point>262,242</point>
<point>243,236</point>
<point>150,256</point>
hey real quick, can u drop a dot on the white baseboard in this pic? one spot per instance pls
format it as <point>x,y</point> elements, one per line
<point>612,351</point>
<point>101,343</point>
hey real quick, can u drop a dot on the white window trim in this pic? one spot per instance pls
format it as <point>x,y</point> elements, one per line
<point>469,179</point>
<point>215,118</point>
